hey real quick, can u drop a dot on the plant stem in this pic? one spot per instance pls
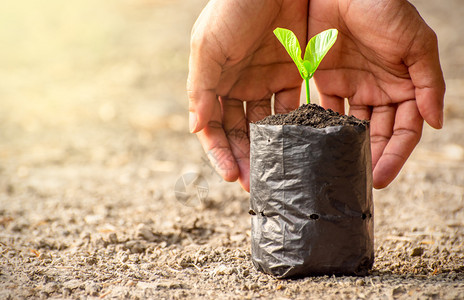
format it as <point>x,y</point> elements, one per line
<point>307,90</point>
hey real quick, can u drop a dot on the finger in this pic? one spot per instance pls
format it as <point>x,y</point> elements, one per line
<point>205,67</point>
<point>362,112</point>
<point>381,127</point>
<point>235,126</point>
<point>258,110</point>
<point>426,74</point>
<point>287,100</point>
<point>201,105</point>
<point>260,81</point>
<point>406,134</point>
<point>333,87</point>
<point>335,103</point>
<point>214,142</point>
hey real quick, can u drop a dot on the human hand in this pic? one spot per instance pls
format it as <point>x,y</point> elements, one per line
<point>235,59</point>
<point>386,64</point>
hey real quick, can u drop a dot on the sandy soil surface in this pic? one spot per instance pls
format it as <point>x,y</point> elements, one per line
<point>93,140</point>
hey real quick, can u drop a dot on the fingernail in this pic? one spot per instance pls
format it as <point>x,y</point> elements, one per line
<point>192,121</point>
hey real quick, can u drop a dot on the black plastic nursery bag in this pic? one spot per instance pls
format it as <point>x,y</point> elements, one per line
<point>311,200</point>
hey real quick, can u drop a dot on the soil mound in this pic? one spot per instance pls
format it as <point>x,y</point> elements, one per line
<point>313,115</point>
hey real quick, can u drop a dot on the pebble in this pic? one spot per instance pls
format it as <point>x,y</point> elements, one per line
<point>418,251</point>
<point>360,282</point>
<point>44,256</point>
<point>220,270</point>
<point>92,289</point>
<point>91,260</point>
<point>168,284</point>
<point>51,287</point>
<point>16,228</point>
<point>224,270</point>
<point>113,238</point>
<point>86,236</point>
<point>124,257</point>
<point>66,292</point>
<point>135,247</point>
<point>396,292</point>
<point>145,233</point>
<point>72,284</point>
<point>246,272</point>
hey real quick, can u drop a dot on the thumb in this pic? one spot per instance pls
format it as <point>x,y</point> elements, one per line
<point>201,105</point>
<point>203,78</point>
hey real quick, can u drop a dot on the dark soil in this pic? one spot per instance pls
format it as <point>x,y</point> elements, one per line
<point>313,115</point>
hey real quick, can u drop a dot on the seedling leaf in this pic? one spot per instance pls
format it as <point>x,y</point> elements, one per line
<point>318,47</point>
<point>291,44</point>
<point>315,51</point>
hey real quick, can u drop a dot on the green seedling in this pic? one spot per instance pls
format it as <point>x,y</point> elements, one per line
<point>316,49</point>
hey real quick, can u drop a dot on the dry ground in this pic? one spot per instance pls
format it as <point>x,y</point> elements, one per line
<point>93,140</point>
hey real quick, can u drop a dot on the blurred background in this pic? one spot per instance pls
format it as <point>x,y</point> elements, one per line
<point>86,84</point>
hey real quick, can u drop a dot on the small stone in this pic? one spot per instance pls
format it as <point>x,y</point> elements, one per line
<point>44,256</point>
<point>123,257</point>
<point>16,228</point>
<point>45,244</point>
<point>100,242</point>
<point>10,189</point>
<point>417,251</point>
<point>360,282</point>
<point>398,291</point>
<point>131,283</point>
<point>113,238</point>
<point>72,284</point>
<point>138,248</point>
<point>169,284</point>
<point>220,270</point>
<point>86,236</point>
<point>224,270</point>
<point>92,289</point>
<point>145,233</point>
<point>135,247</point>
<point>51,287</point>
<point>67,292</point>
<point>246,272</point>
<point>91,260</point>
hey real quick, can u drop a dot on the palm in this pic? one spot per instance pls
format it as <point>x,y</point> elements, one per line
<point>372,65</point>
<point>246,63</point>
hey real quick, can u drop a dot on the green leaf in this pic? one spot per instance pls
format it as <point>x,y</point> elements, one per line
<point>317,48</point>
<point>291,44</point>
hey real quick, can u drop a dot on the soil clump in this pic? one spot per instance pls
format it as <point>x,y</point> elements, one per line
<point>313,115</point>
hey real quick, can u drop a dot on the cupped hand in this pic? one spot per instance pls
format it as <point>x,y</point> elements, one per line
<point>386,64</point>
<point>236,59</point>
